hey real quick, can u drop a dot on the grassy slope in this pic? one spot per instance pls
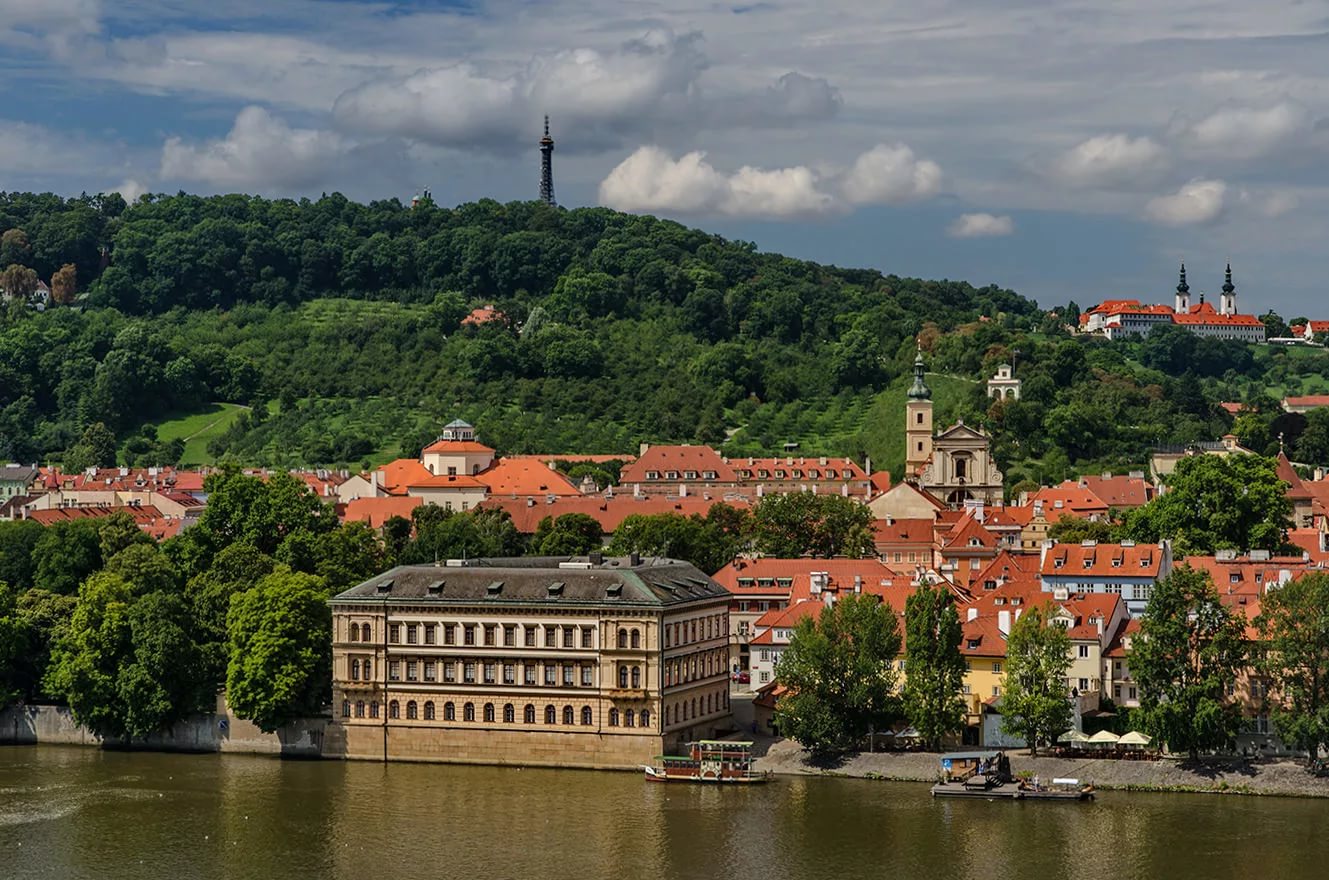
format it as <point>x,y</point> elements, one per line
<point>196,429</point>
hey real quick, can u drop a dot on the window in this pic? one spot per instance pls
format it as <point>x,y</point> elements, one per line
<point>468,712</point>
<point>551,637</point>
<point>568,717</point>
<point>355,632</point>
<point>996,667</point>
<point>412,634</point>
<point>636,676</point>
<point>622,638</point>
<point>629,718</point>
<point>636,638</point>
<point>569,671</point>
<point>412,670</point>
<point>429,670</point>
<point>586,637</point>
<point>1132,694</point>
<point>509,714</point>
<point>613,718</point>
<point>645,717</point>
<point>394,670</point>
<point>964,689</point>
<point>490,669</point>
<point>1084,652</point>
<point>449,712</point>
<point>449,633</point>
<point>468,634</point>
<point>346,708</point>
<point>431,634</point>
<point>394,633</point>
<point>551,674</point>
<point>509,636</point>
<point>359,708</point>
<point>530,636</point>
<point>394,709</point>
<point>449,671</point>
<point>1084,685</point>
<point>622,676</point>
<point>489,713</point>
<point>373,709</point>
<point>569,637</point>
<point>529,670</point>
<point>412,711</point>
<point>468,673</point>
<point>551,715</point>
<point>490,630</point>
<point>429,710</point>
<point>364,632</point>
<point>355,670</point>
<point>996,691</point>
<point>765,656</point>
<point>528,714</point>
<point>509,673</point>
<point>586,718</point>
<point>587,674</point>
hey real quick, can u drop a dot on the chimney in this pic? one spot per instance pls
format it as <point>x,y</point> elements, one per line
<point>858,583</point>
<point>1038,509</point>
<point>971,614</point>
<point>1004,622</point>
<point>682,490</point>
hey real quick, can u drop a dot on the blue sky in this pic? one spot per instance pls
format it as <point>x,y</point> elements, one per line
<point>1073,150</point>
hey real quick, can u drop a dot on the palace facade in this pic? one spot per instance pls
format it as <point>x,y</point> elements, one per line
<point>536,661</point>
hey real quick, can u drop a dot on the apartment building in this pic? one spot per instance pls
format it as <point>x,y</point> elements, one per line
<point>535,661</point>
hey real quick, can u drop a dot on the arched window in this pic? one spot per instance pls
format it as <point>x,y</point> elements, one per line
<point>359,708</point>
<point>613,718</point>
<point>586,718</point>
<point>636,638</point>
<point>355,632</point>
<point>449,712</point>
<point>346,708</point>
<point>551,715</point>
<point>636,676</point>
<point>394,709</point>
<point>412,711</point>
<point>709,708</point>
<point>645,717</point>
<point>368,670</point>
<point>694,707</point>
<point>489,712</point>
<point>429,710</point>
<point>622,676</point>
<point>364,633</point>
<point>568,718</point>
<point>373,709</point>
<point>629,718</point>
<point>509,714</point>
<point>355,670</point>
<point>622,638</point>
<point>685,710</point>
<point>529,714</point>
<point>468,712</point>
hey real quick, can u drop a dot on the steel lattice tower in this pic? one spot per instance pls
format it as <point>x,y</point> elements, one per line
<point>547,167</point>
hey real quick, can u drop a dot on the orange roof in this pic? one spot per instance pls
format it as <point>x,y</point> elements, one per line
<point>1309,540</point>
<point>1102,560</point>
<point>1245,575</point>
<point>483,315</point>
<point>1009,567</point>
<point>588,459</point>
<point>799,469</point>
<point>840,574</point>
<point>1231,407</point>
<point>376,511</point>
<point>141,515</point>
<point>786,618</point>
<point>902,531</point>
<point>402,472</point>
<point>1206,314</point>
<point>1310,401</point>
<point>1288,474</point>
<point>609,512</point>
<point>982,638</point>
<point>447,481</point>
<point>661,460</point>
<point>1120,642</point>
<point>1070,498</point>
<point>1319,326</point>
<point>456,447</point>
<point>881,480</point>
<point>1019,514</point>
<point>968,534</point>
<point>1117,491</point>
<point>525,477</point>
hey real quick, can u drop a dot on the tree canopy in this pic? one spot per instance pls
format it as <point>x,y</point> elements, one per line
<point>933,666</point>
<point>1035,701</point>
<point>1294,623</point>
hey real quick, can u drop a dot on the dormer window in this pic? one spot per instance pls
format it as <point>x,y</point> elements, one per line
<point>689,475</point>
<point>652,475</point>
<point>972,644</point>
<point>779,475</point>
<point>710,475</point>
<point>1259,577</point>
<point>1089,563</point>
<point>1056,563</point>
<point>814,474</point>
<point>762,473</point>
<point>797,475</point>
<point>847,474</point>
<point>1116,563</point>
<point>671,475</point>
<point>974,542</point>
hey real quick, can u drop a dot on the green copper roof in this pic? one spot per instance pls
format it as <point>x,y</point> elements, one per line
<point>920,389</point>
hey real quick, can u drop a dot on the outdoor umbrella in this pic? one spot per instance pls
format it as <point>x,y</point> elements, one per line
<point>1072,736</point>
<point>1104,737</point>
<point>1135,738</point>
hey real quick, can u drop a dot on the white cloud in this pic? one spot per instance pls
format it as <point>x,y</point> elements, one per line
<point>259,151</point>
<point>981,225</point>
<point>1242,132</point>
<point>1279,203</point>
<point>34,149</point>
<point>890,173</point>
<point>651,180</point>
<point>131,189</point>
<point>1200,201</point>
<point>1109,159</point>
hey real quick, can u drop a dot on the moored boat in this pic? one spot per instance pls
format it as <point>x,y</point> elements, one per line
<point>988,775</point>
<point>711,761</point>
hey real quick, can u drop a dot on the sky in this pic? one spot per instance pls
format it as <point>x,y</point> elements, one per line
<point>1068,149</point>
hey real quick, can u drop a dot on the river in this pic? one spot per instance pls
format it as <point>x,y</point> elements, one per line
<point>82,813</point>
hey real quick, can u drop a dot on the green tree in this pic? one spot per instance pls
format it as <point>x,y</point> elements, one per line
<point>709,542</point>
<point>1189,652</point>
<point>1313,444</point>
<point>146,569</point>
<point>65,554</point>
<point>572,534</point>
<point>96,448</point>
<point>933,666</point>
<point>236,569</point>
<point>18,540</point>
<point>1294,622</point>
<point>15,248</point>
<point>15,645</point>
<point>804,524</point>
<point>1233,502</point>
<point>1252,431</point>
<point>840,672</point>
<point>118,531</point>
<point>279,648</point>
<point>1074,529</point>
<point>261,513</point>
<point>1035,704</point>
<point>44,616</point>
<point>396,535</point>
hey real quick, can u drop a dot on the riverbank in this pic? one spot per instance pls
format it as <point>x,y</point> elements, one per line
<point>1278,778</point>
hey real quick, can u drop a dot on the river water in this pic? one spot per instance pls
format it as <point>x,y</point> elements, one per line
<point>83,813</point>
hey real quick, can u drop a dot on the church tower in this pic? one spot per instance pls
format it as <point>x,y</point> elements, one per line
<point>918,422</point>
<point>1183,294</point>
<point>547,167</point>
<point>1227,304</point>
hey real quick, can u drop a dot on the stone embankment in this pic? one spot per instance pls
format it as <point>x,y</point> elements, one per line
<point>1286,778</point>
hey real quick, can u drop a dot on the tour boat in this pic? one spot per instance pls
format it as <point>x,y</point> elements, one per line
<point>988,775</point>
<point>711,760</point>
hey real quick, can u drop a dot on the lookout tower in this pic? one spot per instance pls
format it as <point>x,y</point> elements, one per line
<point>547,167</point>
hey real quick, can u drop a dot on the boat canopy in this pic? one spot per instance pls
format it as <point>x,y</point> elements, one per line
<point>968,756</point>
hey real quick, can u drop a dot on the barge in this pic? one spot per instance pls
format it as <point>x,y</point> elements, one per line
<point>710,761</point>
<point>988,775</point>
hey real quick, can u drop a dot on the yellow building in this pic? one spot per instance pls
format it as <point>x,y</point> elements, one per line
<point>573,662</point>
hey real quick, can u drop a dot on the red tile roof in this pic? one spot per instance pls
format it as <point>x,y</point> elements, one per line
<point>456,447</point>
<point>525,477</point>
<point>680,459</point>
<point>1308,401</point>
<point>881,480</point>
<point>1069,498</point>
<point>1288,474</point>
<point>1310,540</point>
<point>798,469</point>
<point>1117,647</point>
<point>1102,560</point>
<point>1118,491</point>
<point>141,515</point>
<point>588,459</point>
<point>402,472</point>
<point>447,481</point>
<point>376,511</point>
<point>483,315</point>
<point>889,532</point>
<point>1231,407</point>
<point>1245,575</point>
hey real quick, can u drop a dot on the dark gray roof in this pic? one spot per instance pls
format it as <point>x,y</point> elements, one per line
<point>18,472</point>
<point>563,580</point>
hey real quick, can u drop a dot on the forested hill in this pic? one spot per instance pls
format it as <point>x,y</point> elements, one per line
<point>339,327</point>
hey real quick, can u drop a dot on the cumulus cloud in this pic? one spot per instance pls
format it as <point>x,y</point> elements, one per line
<point>131,189</point>
<point>1200,201</point>
<point>890,173</point>
<point>651,180</point>
<point>644,83</point>
<point>1242,132</point>
<point>28,148</point>
<point>980,225</point>
<point>259,151</point>
<point>1109,159</point>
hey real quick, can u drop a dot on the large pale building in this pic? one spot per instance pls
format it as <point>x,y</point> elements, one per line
<point>537,661</point>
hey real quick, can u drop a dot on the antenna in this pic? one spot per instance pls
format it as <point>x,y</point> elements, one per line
<point>547,167</point>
